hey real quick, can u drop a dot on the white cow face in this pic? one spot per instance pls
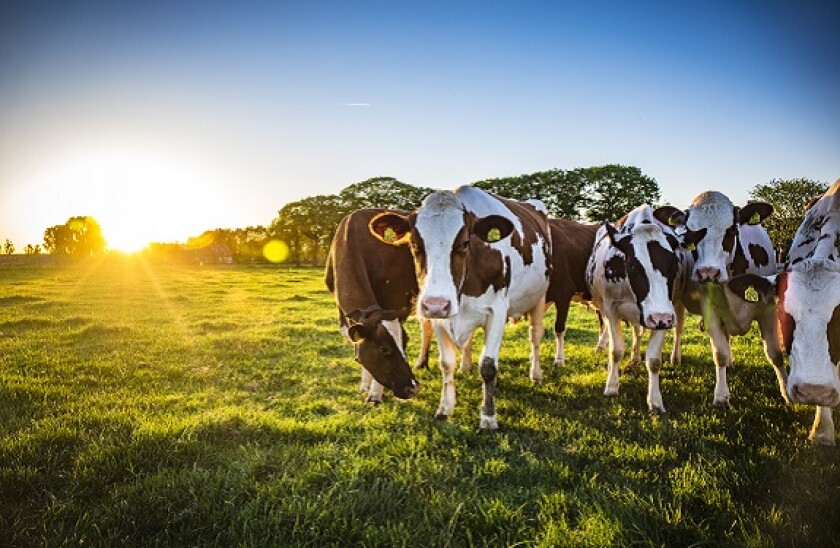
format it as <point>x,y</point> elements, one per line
<point>651,264</point>
<point>442,236</point>
<point>709,228</point>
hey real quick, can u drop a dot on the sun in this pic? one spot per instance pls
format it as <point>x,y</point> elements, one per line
<point>136,195</point>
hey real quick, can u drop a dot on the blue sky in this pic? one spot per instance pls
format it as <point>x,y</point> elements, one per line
<point>162,119</point>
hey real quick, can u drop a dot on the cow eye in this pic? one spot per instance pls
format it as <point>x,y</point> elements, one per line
<point>465,244</point>
<point>384,350</point>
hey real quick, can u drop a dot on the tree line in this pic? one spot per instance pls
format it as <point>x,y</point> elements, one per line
<point>306,226</point>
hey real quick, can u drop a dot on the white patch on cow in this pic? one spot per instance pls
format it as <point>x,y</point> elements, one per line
<point>757,235</point>
<point>714,212</point>
<point>439,221</point>
<point>394,328</point>
<point>812,294</point>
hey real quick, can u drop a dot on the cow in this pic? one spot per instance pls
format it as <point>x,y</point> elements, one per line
<point>723,241</point>
<point>633,275</point>
<point>807,296</point>
<point>374,286</point>
<point>480,259</point>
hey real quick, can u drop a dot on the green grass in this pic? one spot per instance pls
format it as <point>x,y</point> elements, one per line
<point>218,407</point>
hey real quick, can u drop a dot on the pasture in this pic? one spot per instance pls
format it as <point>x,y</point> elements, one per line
<point>149,405</point>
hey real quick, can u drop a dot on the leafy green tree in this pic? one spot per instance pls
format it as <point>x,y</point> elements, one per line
<point>385,192</point>
<point>80,236</point>
<point>613,190</point>
<point>32,249</point>
<point>562,192</point>
<point>788,198</point>
<point>8,247</point>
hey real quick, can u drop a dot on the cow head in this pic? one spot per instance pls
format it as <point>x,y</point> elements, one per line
<point>652,263</point>
<point>709,229</point>
<point>443,236</point>
<point>380,341</point>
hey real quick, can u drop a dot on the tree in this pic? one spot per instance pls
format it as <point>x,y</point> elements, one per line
<point>613,190</point>
<point>562,192</point>
<point>788,198</point>
<point>8,247</point>
<point>32,249</point>
<point>385,192</point>
<point>80,236</point>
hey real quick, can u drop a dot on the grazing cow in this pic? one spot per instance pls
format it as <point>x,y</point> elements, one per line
<point>480,259</point>
<point>374,286</point>
<point>633,275</point>
<point>807,296</point>
<point>726,241</point>
<point>571,244</point>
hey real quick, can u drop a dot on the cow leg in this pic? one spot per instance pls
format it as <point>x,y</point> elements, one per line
<point>722,356</point>
<point>489,367</point>
<point>636,347</point>
<point>448,355</point>
<point>676,352</point>
<point>372,387</point>
<point>364,386</point>
<point>653,361</point>
<point>603,333</point>
<point>767,325</point>
<point>426,331</point>
<point>536,332</point>
<point>562,309</point>
<point>466,354</point>
<point>616,353</point>
<point>822,433</point>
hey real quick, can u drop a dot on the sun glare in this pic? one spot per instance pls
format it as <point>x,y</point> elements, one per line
<point>138,197</point>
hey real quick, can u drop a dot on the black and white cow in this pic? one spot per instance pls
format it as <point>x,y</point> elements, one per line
<point>807,296</point>
<point>725,241</point>
<point>374,286</point>
<point>633,275</point>
<point>480,259</point>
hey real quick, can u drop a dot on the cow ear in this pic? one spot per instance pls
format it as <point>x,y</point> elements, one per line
<point>669,215</point>
<point>390,228</point>
<point>356,332</point>
<point>493,228</point>
<point>753,288</point>
<point>753,213</point>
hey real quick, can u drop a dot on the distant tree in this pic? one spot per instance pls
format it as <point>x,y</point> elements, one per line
<point>562,192</point>
<point>8,247</point>
<point>32,249</point>
<point>788,198</point>
<point>613,190</point>
<point>385,192</point>
<point>80,236</point>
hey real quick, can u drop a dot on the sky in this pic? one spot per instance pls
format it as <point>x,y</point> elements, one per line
<point>163,119</point>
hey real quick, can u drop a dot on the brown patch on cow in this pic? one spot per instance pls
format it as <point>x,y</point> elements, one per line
<point>784,321</point>
<point>729,239</point>
<point>759,255</point>
<point>488,375</point>
<point>615,269</point>
<point>534,225</point>
<point>834,336</point>
<point>739,262</point>
<point>571,245</point>
<point>484,268</point>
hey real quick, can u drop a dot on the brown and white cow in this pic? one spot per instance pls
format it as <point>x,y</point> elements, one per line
<point>480,259</point>
<point>633,275</point>
<point>571,244</point>
<point>374,286</point>
<point>808,311</point>
<point>725,241</point>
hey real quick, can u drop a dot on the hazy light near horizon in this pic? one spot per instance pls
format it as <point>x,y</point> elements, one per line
<point>137,195</point>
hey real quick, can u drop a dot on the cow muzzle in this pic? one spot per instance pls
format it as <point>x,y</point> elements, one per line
<point>663,320</point>
<point>815,394</point>
<point>436,307</point>
<point>408,391</point>
<point>708,274</point>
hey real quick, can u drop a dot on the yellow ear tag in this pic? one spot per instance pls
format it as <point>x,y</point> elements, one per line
<point>751,294</point>
<point>389,236</point>
<point>755,219</point>
<point>690,247</point>
<point>494,235</point>
<point>671,221</point>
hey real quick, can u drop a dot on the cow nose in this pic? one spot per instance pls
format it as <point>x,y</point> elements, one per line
<point>708,274</point>
<point>663,320</point>
<point>436,307</point>
<point>814,394</point>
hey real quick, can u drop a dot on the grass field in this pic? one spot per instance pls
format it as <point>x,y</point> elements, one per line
<point>219,407</point>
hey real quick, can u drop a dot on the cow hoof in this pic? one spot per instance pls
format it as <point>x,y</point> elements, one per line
<point>441,417</point>
<point>721,403</point>
<point>372,401</point>
<point>536,379</point>
<point>421,365</point>
<point>822,441</point>
<point>656,410</point>
<point>488,423</point>
<point>611,392</point>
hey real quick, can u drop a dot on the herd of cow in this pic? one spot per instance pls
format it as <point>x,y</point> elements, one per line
<point>467,259</point>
